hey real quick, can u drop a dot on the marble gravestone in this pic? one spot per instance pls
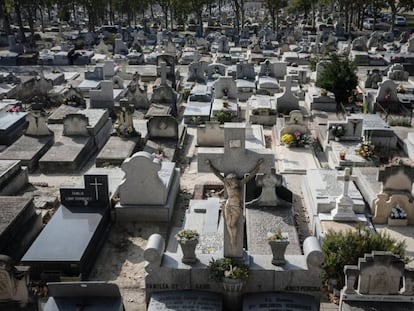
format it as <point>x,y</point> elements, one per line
<point>397,180</point>
<point>70,242</point>
<point>30,147</point>
<point>379,281</point>
<point>322,190</point>
<point>148,190</point>
<point>84,133</point>
<point>287,102</point>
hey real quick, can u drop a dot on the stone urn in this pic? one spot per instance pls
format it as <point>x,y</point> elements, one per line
<point>188,240</point>
<point>232,284</point>
<point>278,243</point>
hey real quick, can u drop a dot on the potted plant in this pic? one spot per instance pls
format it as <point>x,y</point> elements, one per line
<point>188,240</point>
<point>232,275</point>
<point>397,217</point>
<point>323,92</point>
<point>338,131</point>
<point>278,242</point>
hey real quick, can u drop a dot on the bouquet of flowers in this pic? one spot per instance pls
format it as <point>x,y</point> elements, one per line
<point>365,150</point>
<point>338,130</point>
<point>288,139</point>
<point>303,139</point>
<point>398,212</point>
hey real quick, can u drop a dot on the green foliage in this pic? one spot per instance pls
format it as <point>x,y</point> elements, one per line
<point>224,116</point>
<point>339,76</point>
<point>187,234</point>
<point>225,267</point>
<point>400,122</point>
<point>340,249</point>
<point>277,236</point>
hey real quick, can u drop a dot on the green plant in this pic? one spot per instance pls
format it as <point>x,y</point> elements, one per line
<point>224,116</point>
<point>345,248</point>
<point>400,122</point>
<point>276,236</point>
<point>187,234</point>
<point>338,130</point>
<point>225,267</point>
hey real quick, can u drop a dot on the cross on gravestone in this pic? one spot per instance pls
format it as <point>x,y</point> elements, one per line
<point>95,193</point>
<point>235,159</point>
<point>343,210</point>
<point>163,72</point>
<point>96,184</point>
<point>347,177</point>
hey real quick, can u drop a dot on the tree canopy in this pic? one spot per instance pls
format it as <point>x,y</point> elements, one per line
<point>339,76</point>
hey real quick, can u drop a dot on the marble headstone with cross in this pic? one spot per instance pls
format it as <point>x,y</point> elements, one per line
<point>235,158</point>
<point>287,102</point>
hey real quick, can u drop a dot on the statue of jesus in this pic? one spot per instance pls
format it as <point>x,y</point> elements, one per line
<point>234,188</point>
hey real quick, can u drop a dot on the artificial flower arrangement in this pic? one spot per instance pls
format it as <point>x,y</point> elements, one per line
<point>297,138</point>
<point>401,89</point>
<point>365,149</point>
<point>398,212</point>
<point>338,130</point>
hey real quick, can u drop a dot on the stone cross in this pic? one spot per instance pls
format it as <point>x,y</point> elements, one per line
<point>347,177</point>
<point>163,72</point>
<point>343,210</point>
<point>234,158</point>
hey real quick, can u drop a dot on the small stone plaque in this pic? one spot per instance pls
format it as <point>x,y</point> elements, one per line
<point>235,143</point>
<point>95,193</point>
<point>185,300</point>
<point>279,302</point>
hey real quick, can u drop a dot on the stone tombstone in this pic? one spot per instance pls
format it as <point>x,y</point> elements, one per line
<point>37,120</point>
<point>117,82</point>
<point>162,127</point>
<point>359,44</point>
<point>225,87</point>
<point>339,28</point>
<point>387,92</point>
<point>185,300</point>
<point>373,78</point>
<point>196,72</point>
<point>75,124</point>
<point>267,69</point>
<point>410,48</point>
<point>124,122</point>
<point>380,273</point>
<point>144,182</point>
<point>120,46</point>
<point>280,70</point>
<point>166,96</point>
<point>397,72</point>
<point>137,95</point>
<point>397,181</point>
<point>102,48</point>
<point>223,44</point>
<point>352,126</point>
<point>287,102</point>
<point>7,282</point>
<point>102,97</point>
<point>95,193</point>
<point>216,70</point>
<point>269,183</point>
<point>320,67</point>
<point>74,97</point>
<point>343,210</point>
<point>245,71</point>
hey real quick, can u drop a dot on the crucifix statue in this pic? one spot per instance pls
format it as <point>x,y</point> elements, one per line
<point>233,209</point>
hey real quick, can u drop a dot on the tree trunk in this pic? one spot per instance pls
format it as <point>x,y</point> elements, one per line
<point>172,19</point>
<point>19,21</point>
<point>200,19</point>
<point>42,22</point>
<point>4,16</point>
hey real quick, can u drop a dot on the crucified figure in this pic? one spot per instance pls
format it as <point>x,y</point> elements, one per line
<point>234,188</point>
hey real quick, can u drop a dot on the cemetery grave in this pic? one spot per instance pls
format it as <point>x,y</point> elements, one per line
<point>302,164</point>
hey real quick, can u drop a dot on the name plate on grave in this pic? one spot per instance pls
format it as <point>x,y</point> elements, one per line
<point>279,302</point>
<point>185,300</point>
<point>95,193</point>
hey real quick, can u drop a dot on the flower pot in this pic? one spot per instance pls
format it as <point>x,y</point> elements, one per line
<point>397,222</point>
<point>342,155</point>
<point>278,250</point>
<point>232,285</point>
<point>337,138</point>
<point>188,248</point>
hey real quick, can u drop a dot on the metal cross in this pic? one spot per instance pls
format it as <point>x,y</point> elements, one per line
<point>96,184</point>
